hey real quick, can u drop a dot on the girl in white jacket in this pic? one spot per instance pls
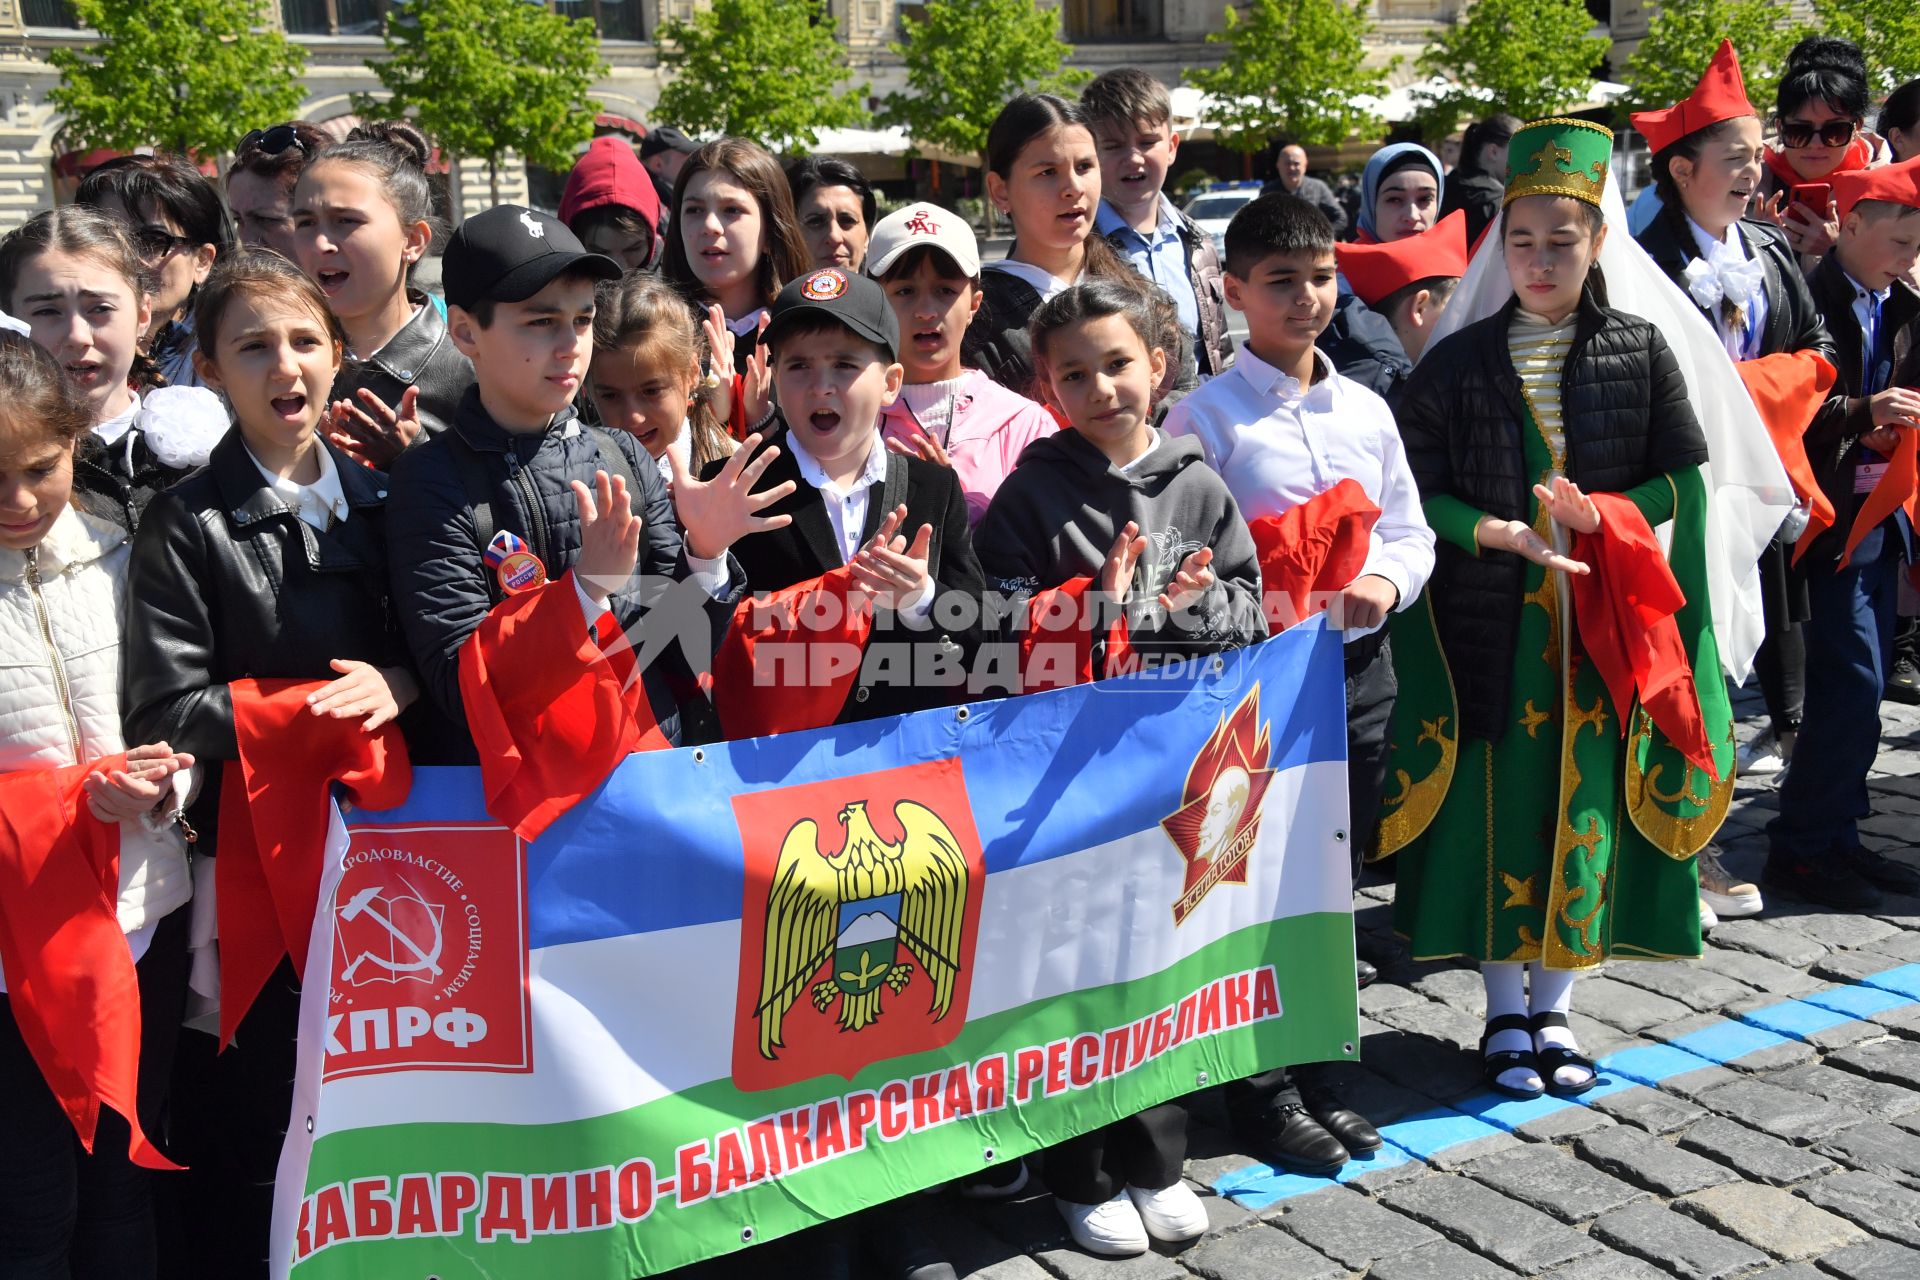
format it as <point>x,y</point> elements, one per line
<point>65,1213</point>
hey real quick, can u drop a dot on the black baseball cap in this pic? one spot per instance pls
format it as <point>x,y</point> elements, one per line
<point>666,138</point>
<point>855,301</point>
<point>510,252</point>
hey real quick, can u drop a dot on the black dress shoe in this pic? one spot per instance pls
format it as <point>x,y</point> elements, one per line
<point>1364,974</point>
<point>1903,682</point>
<point>1882,872</point>
<point>1830,882</point>
<point>1348,1127</point>
<point>896,1248</point>
<point>1293,1140</point>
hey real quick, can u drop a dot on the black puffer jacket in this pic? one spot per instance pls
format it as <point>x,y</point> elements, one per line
<point>420,355</point>
<point>442,587</point>
<point>227,584</point>
<point>1364,347</point>
<point>1461,415</point>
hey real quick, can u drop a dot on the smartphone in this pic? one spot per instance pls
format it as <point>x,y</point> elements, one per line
<point>1816,196</point>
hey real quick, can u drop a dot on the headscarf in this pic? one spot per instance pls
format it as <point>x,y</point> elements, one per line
<point>1376,172</point>
<point>1748,493</point>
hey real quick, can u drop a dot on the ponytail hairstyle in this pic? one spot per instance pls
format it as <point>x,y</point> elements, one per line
<point>394,154</point>
<point>1146,308</point>
<point>37,403</point>
<point>1829,69</point>
<point>81,232</point>
<point>1030,116</point>
<point>641,305</point>
<point>250,273</point>
<point>783,252</point>
<point>1902,112</point>
<point>1482,133</point>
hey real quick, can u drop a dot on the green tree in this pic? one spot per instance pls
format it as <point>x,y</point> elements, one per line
<point>1530,57</point>
<point>1293,67</point>
<point>771,70</point>
<point>188,76</point>
<point>965,59</point>
<point>1682,38</point>
<point>1886,31</point>
<point>486,77</point>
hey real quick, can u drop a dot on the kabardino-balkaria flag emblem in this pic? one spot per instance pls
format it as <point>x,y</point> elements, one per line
<point>1219,816</point>
<point>861,908</point>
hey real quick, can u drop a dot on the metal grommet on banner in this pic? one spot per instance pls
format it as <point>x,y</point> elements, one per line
<point>1219,664</point>
<point>1339,835</point>
<point>309,1124</point>
<point>987,1155</point>
<point>699,756</point>
<point>1200,1080</point>
<point>1347,1049</point>
<point>746,1235</point>
<point>961,715</point>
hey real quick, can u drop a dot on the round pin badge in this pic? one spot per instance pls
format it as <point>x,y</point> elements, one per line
<point>520,571</point>
<point>824,285</point>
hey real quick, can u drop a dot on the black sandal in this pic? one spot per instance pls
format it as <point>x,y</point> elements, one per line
<point>1552,1057</point>
<point>1496,1064</point>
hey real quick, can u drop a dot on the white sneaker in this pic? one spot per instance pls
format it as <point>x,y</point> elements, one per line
<point>1729,897</point>
<point>1761,756</point>
<point>1172,1215</point>
<point>1707,917</point>
<point>1110,1230</point>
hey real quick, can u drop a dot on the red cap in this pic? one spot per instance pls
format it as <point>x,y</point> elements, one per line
<point>1894,183</point>
<point>1376,270</point>
<point>1720,95</point>
<point>609,173</point>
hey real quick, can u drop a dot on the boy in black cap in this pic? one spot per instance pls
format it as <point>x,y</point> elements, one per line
<point>883,535</point>
<point>663,153</point>
<point>518,493</point>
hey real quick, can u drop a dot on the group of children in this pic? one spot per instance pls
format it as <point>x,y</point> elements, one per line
<point>942,451</point>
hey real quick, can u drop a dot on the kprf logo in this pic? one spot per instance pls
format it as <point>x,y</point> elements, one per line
<point>861,910</point>
<point>429,952</point>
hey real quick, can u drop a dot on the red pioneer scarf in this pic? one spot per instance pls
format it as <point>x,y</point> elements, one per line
<point>824,624</point>
<point>552,711</point>
<point>273,826</point>
<point>70,977</point>
<point>1788,388</point>
<point>1061,624</point>
<point>1310,551</point>
<point>1898,489</point>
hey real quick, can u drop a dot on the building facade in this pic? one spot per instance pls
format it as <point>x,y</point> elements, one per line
<point>37,165</point>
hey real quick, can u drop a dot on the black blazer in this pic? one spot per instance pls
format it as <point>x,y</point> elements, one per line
<point>1793,322</point>
<point>1847,415</point>
<point>807,548</point>
<point>226,583</point>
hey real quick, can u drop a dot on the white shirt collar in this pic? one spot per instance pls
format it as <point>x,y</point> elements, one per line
<point>682,448</point>
<point>1730,248</point>
<point>1270,381</point>
<point>119,424</point>
<point>1860,292</point>
<point>1039,277</point>
<point>320,503</point>
<point>814,474</point>
<point>749,323</point>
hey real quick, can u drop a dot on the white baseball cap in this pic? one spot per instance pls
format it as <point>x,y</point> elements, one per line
<point>922,224</point>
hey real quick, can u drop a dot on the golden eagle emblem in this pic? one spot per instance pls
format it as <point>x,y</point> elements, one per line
<point>857,910</point>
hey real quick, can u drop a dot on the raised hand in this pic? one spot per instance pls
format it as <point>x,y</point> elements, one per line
<point>373,695</point>
<point>609,536</point>
<point>1116,575</point>
<point>1190,583</point>
<point>1518,537</point>
<point>1570,508</point>
<point>375,435</point>
<point>717,513</point>
<point>889,570</point>
<point>921,445</point>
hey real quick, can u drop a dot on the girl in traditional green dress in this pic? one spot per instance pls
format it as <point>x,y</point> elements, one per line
<point>1555,765</point>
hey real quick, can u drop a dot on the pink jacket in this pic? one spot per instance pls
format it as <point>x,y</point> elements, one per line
<point>991,425</point>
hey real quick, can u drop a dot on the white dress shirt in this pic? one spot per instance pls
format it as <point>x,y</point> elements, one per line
<point>1731,252</point>
<point>1039,277</point>
<point>1278,444</point>
<point>321,504</point>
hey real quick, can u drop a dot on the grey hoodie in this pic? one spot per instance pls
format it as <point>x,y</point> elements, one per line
<point>1055,517</point>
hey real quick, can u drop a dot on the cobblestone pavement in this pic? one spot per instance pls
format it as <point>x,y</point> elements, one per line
<point>1759,1115</point>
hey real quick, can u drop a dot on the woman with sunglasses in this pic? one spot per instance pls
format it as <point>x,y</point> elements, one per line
<point>1819,110</point>
<point>178,227</point>
<point>266,165</point>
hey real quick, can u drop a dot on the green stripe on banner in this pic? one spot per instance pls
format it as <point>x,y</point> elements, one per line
<point>686,1177</point>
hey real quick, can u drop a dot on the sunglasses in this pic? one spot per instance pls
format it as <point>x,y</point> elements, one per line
<point>271,142</point>
<point>1799,133</point>
<point>155,243</point>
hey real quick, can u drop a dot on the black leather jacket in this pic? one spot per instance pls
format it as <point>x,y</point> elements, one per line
<point>226,583</point>
<point>420,355</point>
<point>117,481</point>
<point>1362,345</point>
<point>1793,322</point>
<point>1461,414</point>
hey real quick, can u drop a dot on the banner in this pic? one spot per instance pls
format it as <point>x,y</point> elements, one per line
<point>748,988</point>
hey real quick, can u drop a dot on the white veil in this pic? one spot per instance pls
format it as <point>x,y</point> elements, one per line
<point>1748,493</point>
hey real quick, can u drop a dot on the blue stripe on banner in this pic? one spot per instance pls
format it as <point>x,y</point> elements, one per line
<point>1484,1114</point>
<point>626,863</point>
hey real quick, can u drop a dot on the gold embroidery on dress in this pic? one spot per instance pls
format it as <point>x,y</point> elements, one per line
<point>1520,893</point>
<point>1534,718</point>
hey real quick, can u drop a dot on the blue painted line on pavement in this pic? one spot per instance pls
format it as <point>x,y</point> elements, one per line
<point>1487,1114</point>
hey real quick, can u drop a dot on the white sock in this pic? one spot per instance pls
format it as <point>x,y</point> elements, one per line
<point>1507,993</point>
<point>1553,992</point>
